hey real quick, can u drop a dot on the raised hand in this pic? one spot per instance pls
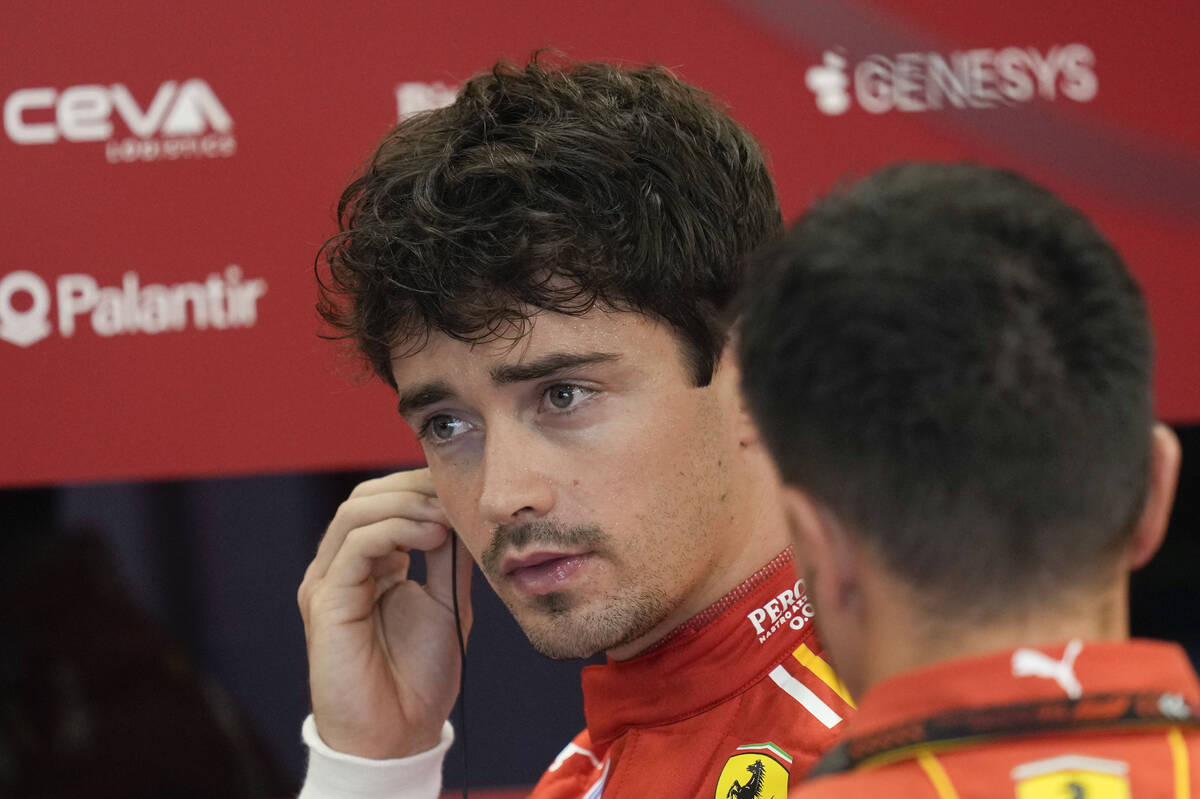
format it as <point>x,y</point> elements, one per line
<point>383,653</point>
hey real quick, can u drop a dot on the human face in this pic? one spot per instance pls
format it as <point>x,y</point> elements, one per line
<point>582,467</point>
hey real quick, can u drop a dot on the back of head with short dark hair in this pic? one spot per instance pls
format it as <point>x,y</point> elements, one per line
<point>957,364</point>
<point>554,186</point>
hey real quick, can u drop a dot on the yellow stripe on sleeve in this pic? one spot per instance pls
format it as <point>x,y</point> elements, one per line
<point>814,663</point>
<point>1179,757</point>
<point>937,775</point>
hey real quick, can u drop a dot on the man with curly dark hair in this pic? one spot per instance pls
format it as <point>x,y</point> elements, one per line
<point>543,271</point>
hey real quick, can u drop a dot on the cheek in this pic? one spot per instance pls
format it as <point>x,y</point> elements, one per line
<point>461,504</point>
<point>668,438</point>
<point>664,472</point>
<point>631,470</point>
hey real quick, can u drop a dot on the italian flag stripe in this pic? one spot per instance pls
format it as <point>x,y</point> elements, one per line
<point>770,747</point>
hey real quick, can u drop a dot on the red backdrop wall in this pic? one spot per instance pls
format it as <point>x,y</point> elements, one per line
<point>169,171</point>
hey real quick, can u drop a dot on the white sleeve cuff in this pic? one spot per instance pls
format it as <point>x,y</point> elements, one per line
<point>336,775</point>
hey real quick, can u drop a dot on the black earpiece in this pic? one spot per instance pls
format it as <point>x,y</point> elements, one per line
<point>462,655</point>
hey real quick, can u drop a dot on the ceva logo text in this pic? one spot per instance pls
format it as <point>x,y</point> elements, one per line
<point>182,120</point>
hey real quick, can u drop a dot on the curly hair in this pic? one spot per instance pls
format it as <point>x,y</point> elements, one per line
<point>554,186</point>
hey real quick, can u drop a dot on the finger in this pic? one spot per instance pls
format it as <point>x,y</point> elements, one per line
<point>363,546</point>
<point>418,480</point>
<point>390,570</point>
<point>438,580</point>
<point>370,509</point>
<point>385,572</point>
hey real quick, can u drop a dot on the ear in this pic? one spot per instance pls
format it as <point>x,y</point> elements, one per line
<point>824,552</point>
<point>1151,525</point>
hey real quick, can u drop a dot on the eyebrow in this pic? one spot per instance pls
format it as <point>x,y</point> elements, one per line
<point>427,394</point>
<point>548,365</point>
<point>423,396</point>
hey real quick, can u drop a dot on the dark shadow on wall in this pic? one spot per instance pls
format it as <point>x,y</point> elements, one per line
<point>96,697</point>
<point>166,609</point>
<point>152,628</point>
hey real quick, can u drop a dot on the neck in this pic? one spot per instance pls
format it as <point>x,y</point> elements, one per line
<point>899,637</point>
<point>756,531</point>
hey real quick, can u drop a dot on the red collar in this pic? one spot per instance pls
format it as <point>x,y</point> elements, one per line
<point>712,657</point>
<point>1026,675</point>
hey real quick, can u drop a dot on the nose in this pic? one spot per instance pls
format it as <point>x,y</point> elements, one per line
<point>515,483</point>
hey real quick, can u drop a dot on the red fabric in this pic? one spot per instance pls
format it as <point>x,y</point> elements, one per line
<point>1009,767</point>
<point>667,722</point>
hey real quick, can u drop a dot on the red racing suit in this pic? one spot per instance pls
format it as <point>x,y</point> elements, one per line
<point>1102,720</point>
<point>737,700</point>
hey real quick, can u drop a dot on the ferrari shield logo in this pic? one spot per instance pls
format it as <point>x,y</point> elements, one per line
<point>757,771</point>
<point>1072,777</point>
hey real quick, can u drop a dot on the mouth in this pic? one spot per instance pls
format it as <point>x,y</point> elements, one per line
<point>543,572</point>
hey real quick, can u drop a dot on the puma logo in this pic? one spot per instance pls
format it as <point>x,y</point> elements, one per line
<point>1031,663</point>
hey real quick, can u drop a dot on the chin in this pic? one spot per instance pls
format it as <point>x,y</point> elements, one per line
<point>563,648</point>
<point>561,629</point>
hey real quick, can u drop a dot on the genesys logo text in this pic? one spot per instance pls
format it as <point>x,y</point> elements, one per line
<point>181,121</point>
<point>28,304</point>
<point>982,78</point>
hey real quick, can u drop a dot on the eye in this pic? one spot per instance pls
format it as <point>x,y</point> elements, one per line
<point>442,427</point>
<point>565,396</point>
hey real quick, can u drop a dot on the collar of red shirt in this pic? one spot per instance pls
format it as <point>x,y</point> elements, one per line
<point>709,659</point>
<point>1062,671</point>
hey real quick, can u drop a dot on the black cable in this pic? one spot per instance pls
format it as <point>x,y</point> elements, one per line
<point>462,656</point>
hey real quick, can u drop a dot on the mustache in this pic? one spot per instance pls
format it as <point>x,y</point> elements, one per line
<point>515,536</point>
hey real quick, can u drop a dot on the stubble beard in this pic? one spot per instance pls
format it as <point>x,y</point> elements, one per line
<point>562,624</point>
<point>558,628</point>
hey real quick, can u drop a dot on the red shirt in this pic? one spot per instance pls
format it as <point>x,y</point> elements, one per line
<point>736,699</point>
<point>1003,706</point>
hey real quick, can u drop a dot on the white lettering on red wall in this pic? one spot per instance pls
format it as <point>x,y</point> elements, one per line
<point>182,120</point>
<point>222,301</point>
<point>414,97</point>
<point>967,79</point>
